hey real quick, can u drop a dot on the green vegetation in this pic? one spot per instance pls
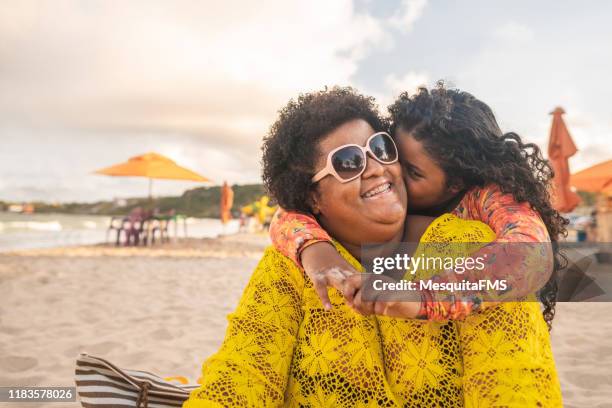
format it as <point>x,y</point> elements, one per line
<point>198,202</point>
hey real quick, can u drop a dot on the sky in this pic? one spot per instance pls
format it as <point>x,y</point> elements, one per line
<point>85,84</point>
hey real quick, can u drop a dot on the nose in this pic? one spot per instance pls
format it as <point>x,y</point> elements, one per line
<point>374,168</point>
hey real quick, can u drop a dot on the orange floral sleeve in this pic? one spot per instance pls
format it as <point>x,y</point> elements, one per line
<point>292,232</point>
<point>523,267</point>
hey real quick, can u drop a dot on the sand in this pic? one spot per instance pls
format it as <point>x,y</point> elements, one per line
<point>164,310</point>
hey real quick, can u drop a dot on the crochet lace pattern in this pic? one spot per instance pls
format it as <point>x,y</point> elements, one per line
<point>283,349</point>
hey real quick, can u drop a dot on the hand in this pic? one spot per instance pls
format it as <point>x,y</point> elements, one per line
<point>365,300</point>
<point>353,291</point>
<point>399,309</point>
<point>326,268</point>
<point>332,276</point>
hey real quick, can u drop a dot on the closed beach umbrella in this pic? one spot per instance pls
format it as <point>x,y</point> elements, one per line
<point>151,166</point>
<point>227,200</point>
<point>595,179</point>
<point>560,148</point>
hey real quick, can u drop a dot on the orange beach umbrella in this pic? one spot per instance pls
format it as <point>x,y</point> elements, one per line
<point>151,166</point>
<point>560,148</point>
<point>227,200</point>
<point>595,179</point>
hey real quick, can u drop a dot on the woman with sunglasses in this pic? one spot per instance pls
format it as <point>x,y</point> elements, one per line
<point>281,346</point>
<point>457,161</point>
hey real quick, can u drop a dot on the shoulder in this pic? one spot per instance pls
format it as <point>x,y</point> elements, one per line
<point>483,202</point>
<point>273,255</point>
<point>483,193</point>
<point>416,225</point>
<point>450,228</point>
<point>274,265</point>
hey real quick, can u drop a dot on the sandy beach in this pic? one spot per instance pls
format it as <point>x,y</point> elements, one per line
<point>164,310</point>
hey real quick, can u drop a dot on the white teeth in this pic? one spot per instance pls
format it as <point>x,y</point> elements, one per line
<point>380,189</point>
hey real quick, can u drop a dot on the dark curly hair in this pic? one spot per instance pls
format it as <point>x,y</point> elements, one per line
<point>290,149</point>
<point>461,134</point>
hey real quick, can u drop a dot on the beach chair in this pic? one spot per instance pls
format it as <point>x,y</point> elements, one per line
<point>160,222</point>
<point>99,383</point>
<point>116,224</point>
<point>133,227</point>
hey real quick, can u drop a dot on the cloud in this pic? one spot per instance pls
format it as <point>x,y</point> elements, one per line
<point>409,82</point>
<point>200,81</point>
<point>512,32</point>
<point>58,165</point>
<point>523,73</point>
<point>183,65</point>
<point>589,156</point>
<point>408,13</point>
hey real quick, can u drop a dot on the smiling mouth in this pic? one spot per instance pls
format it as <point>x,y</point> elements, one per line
<point>381,189</point>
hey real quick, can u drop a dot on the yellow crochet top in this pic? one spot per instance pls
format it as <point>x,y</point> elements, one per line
<point>283,349</point>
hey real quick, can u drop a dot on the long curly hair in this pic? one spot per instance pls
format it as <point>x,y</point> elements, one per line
<point>460,132</point>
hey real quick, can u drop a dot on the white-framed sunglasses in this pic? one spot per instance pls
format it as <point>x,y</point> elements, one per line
<point>349,161</point>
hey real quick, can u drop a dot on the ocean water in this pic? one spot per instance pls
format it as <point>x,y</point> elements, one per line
<point>29,231</point>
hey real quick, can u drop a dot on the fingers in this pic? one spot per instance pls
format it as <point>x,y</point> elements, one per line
<point>332,277</point>
<point>350,287</point>
<point>367,306</point>
<point>357,303</point>
<point>354,286</point>
<point>398,309</point>
<point>320,286</point>
<point>368,295</point>
<point>381,307</point>
<point>362,306</point>
<point>336,277</point>
<point>392,309</point>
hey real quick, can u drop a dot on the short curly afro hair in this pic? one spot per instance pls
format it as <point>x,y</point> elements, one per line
<point>290,150</point>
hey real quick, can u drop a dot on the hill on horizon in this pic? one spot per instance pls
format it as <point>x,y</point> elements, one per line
<point>196,202</point>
